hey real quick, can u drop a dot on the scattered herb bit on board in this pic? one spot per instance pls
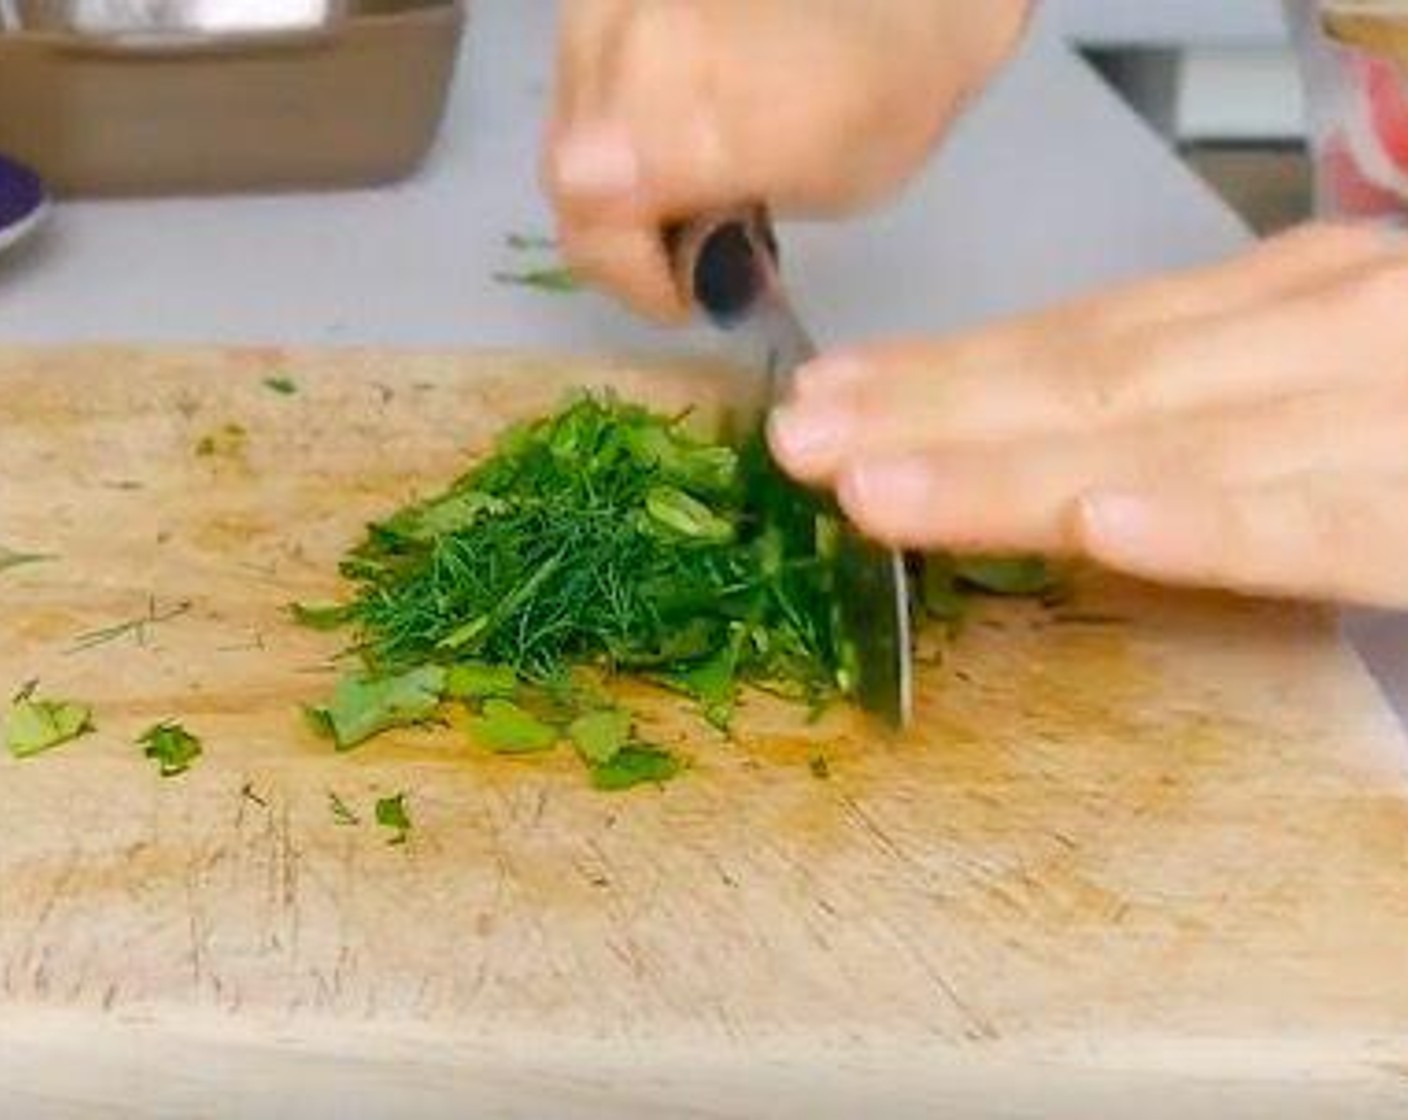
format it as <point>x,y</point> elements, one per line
<point>285,386</point>
<point>391,812</point>
<point>529,242</point>
<point>35,725</point>
<point>9,558</point>
<point>321,616</point>
<point>171,747</point>
<point>341,814</point>
<point>947,584</point>
<point>139,629</point>
<point>553,278</point>
<point>602,540</point>
<point>226,441</point>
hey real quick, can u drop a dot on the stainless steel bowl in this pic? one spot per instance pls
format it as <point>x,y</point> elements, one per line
<point>160,96</point>
<point>181,22</point>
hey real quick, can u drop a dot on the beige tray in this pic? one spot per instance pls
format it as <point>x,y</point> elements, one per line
<point>357,104</point>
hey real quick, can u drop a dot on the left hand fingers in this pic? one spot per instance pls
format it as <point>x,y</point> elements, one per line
<point>1320,536</point>
<point>1014,495</point>
<point>1079,369</point>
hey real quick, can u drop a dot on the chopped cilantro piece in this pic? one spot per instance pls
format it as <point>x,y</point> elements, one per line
<point>391,813</point>
<point>476,680</point>
<point>36,725</point>
<point>997,575</point>
<point>505,728</point>
<point>322,616</point>
<point>600,736</point>
<point>633,766</point>
<point>363,706</point>
<point>171,747</point>
<point>285,386</point>
<point>689,517</point>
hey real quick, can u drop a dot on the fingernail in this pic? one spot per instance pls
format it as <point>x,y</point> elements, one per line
<point>807,437</point>
<point>831,376</point>
<point>596,159</point>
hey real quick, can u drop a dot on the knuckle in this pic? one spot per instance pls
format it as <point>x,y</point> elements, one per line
<point>1379,295</point>
<point>1116,376</point>
<point>662,36</point>
<point>1333,240</point>
<point>1332,524</point>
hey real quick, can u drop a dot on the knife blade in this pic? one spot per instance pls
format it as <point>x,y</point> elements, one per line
<point>728,263</point>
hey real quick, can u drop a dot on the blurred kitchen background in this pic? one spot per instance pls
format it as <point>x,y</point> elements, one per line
<point>1219,79</point>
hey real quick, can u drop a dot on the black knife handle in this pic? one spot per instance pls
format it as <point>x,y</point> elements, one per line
<point>724,262</point>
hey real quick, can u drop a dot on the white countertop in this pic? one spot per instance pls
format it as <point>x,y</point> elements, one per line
<point>1050,187</point>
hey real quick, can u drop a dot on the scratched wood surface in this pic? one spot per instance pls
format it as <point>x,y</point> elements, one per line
<point>1141,816</point>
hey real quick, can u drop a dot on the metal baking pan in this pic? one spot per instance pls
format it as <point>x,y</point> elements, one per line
<point>123,97</point>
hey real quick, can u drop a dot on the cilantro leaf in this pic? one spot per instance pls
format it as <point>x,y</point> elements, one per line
<point>688,516</point>
<point>286,386</point>
<point>363,706</point>
<point>600,736</point>
<point>940,591</point>
<point>1009,575</point>
<point>391,812</point>
<point>505,728</point>
<point>171,747</point>
<point>35,725</point>
<point>714,682</point>
<point>477,680</point>
<point>633,766</point>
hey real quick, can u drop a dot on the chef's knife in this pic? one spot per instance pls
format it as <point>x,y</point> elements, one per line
<point>729,265</point>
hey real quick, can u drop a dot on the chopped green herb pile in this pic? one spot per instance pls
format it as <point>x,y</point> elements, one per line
<point>604,536</point>
<point>391,813</point>
<point>171,747</point>
<point>604,539</point>
<point>35,725</point>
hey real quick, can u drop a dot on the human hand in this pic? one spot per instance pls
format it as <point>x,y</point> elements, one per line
<point>665,109</point>
<point>1242,426</point>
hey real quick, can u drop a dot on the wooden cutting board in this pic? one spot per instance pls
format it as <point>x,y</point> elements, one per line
<point>1142,841</point>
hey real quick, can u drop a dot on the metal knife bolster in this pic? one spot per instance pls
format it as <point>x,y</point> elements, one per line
<point>729,264</point>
